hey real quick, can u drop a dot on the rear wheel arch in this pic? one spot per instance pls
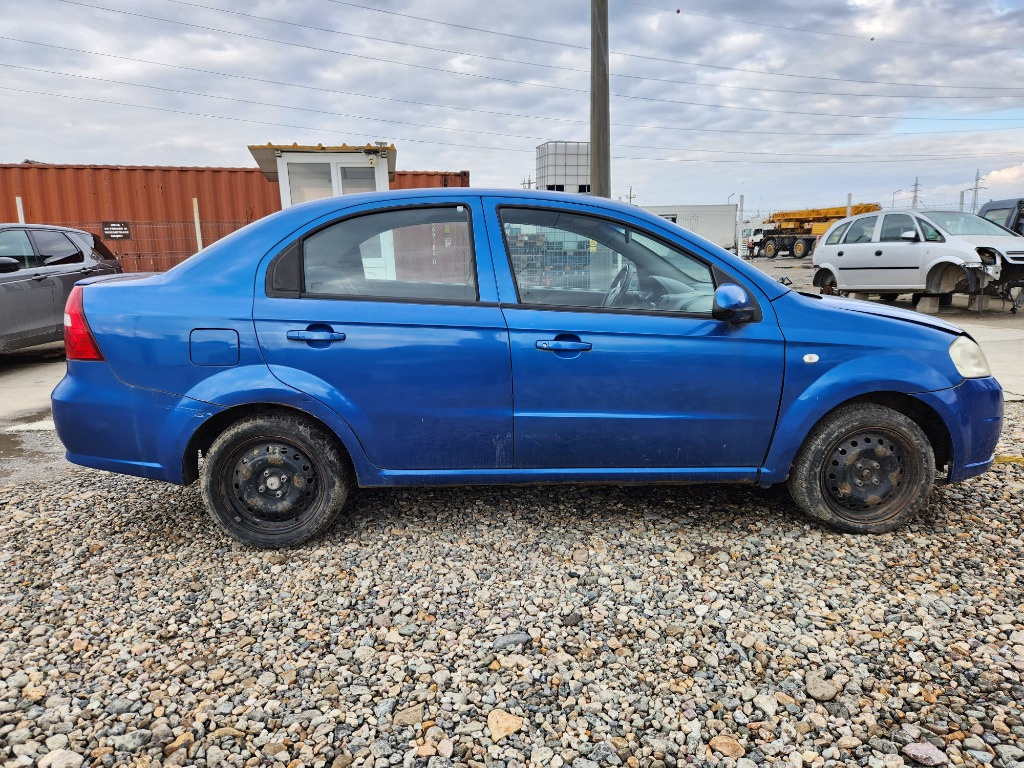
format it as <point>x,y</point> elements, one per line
<point>213,427</point>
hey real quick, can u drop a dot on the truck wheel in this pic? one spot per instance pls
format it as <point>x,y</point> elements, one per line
<point>274,480</point>
<point>771,249</point>
<point>801,248</point>
<point>863,469</point>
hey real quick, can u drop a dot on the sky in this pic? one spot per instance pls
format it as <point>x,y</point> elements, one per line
<point>789,104</point>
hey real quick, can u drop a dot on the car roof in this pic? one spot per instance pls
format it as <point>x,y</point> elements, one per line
<point>1008,202</point>
<point>55,227</point>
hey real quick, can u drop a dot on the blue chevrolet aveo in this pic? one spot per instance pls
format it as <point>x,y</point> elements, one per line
<point>467,336</point>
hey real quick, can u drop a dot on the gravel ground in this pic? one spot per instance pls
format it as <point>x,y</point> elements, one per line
<point>507,627</point>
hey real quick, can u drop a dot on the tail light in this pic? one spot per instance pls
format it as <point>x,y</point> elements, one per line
<point>79,343</point>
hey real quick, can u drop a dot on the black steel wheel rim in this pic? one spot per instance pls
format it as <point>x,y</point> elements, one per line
<point>271,485</point>
<point>865,477</point>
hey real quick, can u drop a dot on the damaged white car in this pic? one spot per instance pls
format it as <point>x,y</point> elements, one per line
<point>921,252</point>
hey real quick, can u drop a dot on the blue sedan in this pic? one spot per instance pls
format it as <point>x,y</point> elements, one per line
<point>464,336</point>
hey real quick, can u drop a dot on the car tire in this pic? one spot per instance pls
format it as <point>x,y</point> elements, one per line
<point>888,297</point>
<point>274,480</point>
<point>883,450</point>
<point>946,299</point>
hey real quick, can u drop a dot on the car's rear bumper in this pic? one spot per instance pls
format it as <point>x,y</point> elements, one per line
<point>107,424</point>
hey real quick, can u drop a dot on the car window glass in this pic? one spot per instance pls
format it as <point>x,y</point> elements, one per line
<point>998,215</point>
<point>894,225</point>
<point>55,248</point>
<point>931,234</point>
<point>565,259</point>
<point>837,233</point>
<point>420,254</point>
<point>92,244</point>
<point>956,223</point>
<point>14,244</point>
<point>860,230</point>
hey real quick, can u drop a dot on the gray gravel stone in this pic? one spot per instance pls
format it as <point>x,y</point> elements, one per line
<point>228,655</point>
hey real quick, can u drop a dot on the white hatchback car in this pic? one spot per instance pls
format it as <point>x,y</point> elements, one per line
<point>926,252</point>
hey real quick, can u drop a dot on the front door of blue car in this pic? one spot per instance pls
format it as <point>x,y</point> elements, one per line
<point>379,316</point>
<point>617,361</point>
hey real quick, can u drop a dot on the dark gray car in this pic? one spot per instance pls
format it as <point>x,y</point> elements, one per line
<point>38,266</point>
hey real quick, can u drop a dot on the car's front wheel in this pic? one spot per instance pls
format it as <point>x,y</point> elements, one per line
<point>863,469</point>
<point>274,480</point>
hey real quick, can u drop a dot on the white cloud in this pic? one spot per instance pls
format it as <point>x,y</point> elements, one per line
<point>486,100</point>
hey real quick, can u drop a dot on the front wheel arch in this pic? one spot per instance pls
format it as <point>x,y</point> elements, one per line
<point>863,468</point>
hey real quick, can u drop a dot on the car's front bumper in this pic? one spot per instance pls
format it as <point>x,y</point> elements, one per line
<point>973,413</point>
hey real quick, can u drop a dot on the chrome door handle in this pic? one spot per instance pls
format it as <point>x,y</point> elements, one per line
<point>564,346</point>
<point>315,336</point>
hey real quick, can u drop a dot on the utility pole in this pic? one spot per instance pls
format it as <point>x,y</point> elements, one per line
<point>631,195</point>
<point>600,117</point>
<point>917,187</point>
<point>977,182</point>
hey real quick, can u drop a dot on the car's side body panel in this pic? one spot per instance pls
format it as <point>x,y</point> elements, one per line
<point>423,392</point>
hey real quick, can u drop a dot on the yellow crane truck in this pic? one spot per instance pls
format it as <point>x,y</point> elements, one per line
<point>798,231</point>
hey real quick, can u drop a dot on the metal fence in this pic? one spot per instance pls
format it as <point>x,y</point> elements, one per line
<point>156,246</point>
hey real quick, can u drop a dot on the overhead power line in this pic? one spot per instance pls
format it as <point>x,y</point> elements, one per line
<point>498,113</point>
<point>564,44</point>
<point>577,70</point>
<point>817,159</point>
<point>336,52</point>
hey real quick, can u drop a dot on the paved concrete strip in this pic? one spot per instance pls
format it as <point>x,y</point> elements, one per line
<point>44,425</point>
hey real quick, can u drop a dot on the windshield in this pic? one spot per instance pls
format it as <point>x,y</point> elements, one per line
<point>955,223</point>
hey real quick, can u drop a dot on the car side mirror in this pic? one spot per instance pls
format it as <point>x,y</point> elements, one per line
<point>910,236</point>
<point>732,304</point>
<point>7,264</point>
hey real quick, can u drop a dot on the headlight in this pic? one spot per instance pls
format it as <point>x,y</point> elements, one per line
<point>988,256</point>
<point>968,358</point>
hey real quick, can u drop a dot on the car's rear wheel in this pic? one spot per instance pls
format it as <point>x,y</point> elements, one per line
<point>863,469</point>
<point>274,480</point>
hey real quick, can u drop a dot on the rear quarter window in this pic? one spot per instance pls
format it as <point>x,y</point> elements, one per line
<point>837,234</point>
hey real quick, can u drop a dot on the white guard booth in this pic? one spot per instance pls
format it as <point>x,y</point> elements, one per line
<point>308,173</point>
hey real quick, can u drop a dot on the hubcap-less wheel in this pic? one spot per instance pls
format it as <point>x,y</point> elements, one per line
<point>864,468</point>
<point>274,484</point>
<point>274,480</point>
<point>863,473</point>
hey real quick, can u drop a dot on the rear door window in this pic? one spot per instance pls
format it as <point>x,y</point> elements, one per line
<point>55,248</point>
<point>894,225</point>
<point>419,254</point>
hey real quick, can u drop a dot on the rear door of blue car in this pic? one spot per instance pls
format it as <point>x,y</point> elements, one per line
<point>389,318</point>
<point>617,362</point>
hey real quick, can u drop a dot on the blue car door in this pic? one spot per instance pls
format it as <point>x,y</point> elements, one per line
<point>617,362</point>
<point>386,318</point>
